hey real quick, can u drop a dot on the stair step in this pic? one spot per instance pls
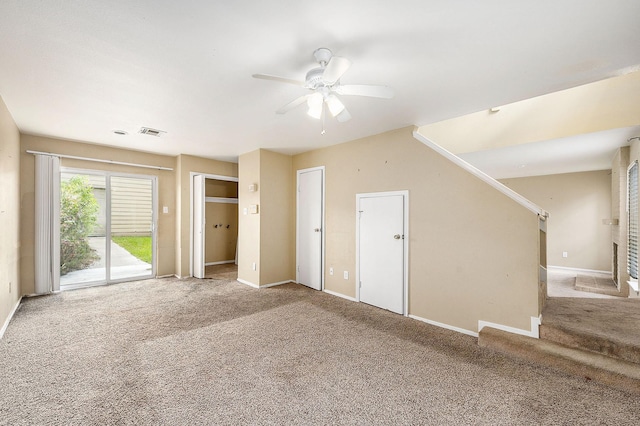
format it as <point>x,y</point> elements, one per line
<point>614,372</point>
<point>595,284</point>
<point>601,344</point>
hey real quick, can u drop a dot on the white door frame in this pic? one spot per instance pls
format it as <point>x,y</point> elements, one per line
<point>322,236</point>
<point>191,208</point>
<point>405,242</point>
<point>198,221</point>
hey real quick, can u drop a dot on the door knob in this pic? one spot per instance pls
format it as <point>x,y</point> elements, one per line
<point>397,237</point>
<point>316,230</point>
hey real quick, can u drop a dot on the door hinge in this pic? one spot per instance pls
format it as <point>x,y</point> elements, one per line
<point>360,284</point>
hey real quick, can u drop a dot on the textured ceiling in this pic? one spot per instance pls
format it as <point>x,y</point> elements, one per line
<point>81,69</point>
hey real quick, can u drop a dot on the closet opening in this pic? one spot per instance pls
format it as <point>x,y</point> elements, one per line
<point>215,227</point>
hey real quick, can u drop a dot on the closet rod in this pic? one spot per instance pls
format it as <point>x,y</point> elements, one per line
<point>97,160</point>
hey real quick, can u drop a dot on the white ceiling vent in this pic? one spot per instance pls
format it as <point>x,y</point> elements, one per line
<point>151,132</point>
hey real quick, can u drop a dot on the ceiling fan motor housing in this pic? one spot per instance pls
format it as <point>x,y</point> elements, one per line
<point>313,79</point>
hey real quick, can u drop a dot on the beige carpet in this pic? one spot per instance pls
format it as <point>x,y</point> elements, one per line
<point>226,271</point>
<point>218,352</point>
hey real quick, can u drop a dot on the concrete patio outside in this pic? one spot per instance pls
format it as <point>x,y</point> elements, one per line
<point>123,265</point>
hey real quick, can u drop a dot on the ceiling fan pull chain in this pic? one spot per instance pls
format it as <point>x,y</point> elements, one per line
<point>323,116</point>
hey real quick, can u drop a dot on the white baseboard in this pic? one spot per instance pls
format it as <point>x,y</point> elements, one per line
<point>8,320</point>
<point>167,276</point>
<point>588,271</point>
<point>250,284</point>
<point>534,332</point>
<point>447,326</point>
<point>333,293</point>
<point>275,284</point>
<point>223,262</point>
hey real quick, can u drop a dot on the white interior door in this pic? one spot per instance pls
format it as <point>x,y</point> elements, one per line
<point>198,226</point>
<point>382,251</point>
<point>309,228</point>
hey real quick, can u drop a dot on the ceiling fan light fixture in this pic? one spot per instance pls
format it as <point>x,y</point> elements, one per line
<point>315,112</point>
<point>334,105</point>
<point>314,102</point>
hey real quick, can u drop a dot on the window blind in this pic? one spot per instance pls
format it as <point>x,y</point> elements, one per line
<point>632,261</point>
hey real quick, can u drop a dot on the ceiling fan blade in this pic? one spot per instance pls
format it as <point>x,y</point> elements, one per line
<point>366,90</point>
<point>336,67</point>
<point>279,79</point>
<point>343,116</point>
<point>291,105</point>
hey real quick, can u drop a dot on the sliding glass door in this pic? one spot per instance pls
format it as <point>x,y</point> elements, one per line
<point>107,227</point>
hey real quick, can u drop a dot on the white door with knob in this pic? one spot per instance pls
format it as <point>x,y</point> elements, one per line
<point>382,249</point>
<point>309,229</point>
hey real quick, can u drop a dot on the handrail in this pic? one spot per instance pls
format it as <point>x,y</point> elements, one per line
<point>483,176</point>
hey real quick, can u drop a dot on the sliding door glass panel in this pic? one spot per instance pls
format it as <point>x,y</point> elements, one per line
<point>82,229</point>
<point>131,227</point>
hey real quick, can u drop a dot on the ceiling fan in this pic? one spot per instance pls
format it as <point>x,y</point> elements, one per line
<point>324,83</point>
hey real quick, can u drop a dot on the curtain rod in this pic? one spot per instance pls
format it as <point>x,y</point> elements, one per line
<point>97,160</point>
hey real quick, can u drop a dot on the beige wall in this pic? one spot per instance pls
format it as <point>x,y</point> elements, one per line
<point>266,238</point>
<point>249,224</point>
<point>9,214</point>
<point>276,248</point>
<point>474,252</point>
<point>221,232</point>
<point>166,194</point>
<point>185,165</point>
<point>594,107</point>
<point>577,203</point>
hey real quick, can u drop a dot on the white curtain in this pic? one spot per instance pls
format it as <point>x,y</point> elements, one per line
<point>47,229</point>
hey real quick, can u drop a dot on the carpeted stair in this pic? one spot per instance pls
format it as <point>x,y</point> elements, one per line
<point>595,339</point>
<point>614,372</point>
<point>594,342</point>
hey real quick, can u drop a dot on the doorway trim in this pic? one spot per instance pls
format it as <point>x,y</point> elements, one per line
<point>405,243</point>
<point>191,208</point>
<point>323,233</point>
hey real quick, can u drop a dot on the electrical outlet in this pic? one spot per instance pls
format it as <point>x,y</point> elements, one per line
<point>330,271</point>
<point>565,254</point>
<point>253,266</point>
<point>346,275</point>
